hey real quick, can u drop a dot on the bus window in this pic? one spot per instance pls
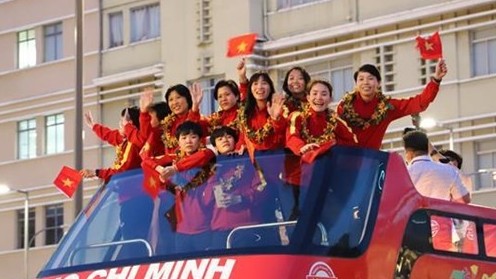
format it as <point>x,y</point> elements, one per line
<point>454,235</point>
<point>349,206</point>
<point>490,239</point>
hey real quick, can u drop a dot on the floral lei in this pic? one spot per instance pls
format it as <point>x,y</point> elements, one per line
<point>257,136</point>
<point>355,120</point>
<point>200,177</point>
<point>214,121</point>
<point>328,134</point>
<point>170,141</point>
<point>294,102</point>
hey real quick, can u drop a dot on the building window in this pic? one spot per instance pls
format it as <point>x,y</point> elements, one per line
<point>484,52</point>
<point>116,29</point>
<point>54,133</point>
<point>205,21</point>
<point>26,139</point>
<point>54,221</point>
<point>20,228</point>
<point>339,73</point>
<point>145,23</point>
<point>384,60</point>
<point>427,69</point>
<point>342,82</point>
<point>26,44</point>
<point>486,159</point>
<point>53,41</point>
<point>208,104</point>
<point>285,4</point>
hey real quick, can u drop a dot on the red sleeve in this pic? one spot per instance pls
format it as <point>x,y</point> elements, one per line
<point>293,136</point>
<point>130,160</point>
<point>243,91</point>
<point>113,137</point>
<point>145,126</point>
<point>279,125</point>
<point>134,135</point>
<point>415,104</point>
<point>193,116</point>
<point>196,160</point>
<point>154,162</point>
<point>343,133</point>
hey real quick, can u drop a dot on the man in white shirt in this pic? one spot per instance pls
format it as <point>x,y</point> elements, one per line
<point>434,180</point>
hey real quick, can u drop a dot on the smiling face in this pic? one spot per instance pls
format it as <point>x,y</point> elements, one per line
<point>189,143</point>
<point>177,103</point>
<point>226,98</point>
<point>225,144</point>
<point>319,97</point>
<point>296,82</point>
<point>367,85</point>
<point>260,89</point>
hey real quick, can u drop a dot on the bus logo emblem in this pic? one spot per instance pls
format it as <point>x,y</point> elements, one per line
<point>321,270</point>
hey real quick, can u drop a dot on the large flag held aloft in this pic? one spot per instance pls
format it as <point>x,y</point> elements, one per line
<point>430,47</point>
<point>241,45</point>
<point>68,181</point>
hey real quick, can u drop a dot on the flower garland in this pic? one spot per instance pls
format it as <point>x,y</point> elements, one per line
<point>170,141</point>
<point>294,103</point>
<point>258,136</point>
<point>215,119</point>
<point>355,120</point>
<point>119,154</point>
<point>328,134</point>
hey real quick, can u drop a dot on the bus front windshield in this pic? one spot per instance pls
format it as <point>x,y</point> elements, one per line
<point>232,205</point>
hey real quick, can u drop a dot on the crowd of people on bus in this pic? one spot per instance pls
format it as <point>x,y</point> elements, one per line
<point>171,137</point>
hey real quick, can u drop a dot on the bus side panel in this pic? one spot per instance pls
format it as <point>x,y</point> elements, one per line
<point>399,200</point>
<point>438,266</point>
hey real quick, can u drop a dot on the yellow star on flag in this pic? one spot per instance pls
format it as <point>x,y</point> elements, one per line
<point>242,47</point>
<point>67,182</point>
<point>428,46</point>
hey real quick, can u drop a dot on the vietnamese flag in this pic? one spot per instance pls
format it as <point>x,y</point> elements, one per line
<point>151,181</point>
<point>241,45</point>
<point>68,181</point>
<point>430,47</point>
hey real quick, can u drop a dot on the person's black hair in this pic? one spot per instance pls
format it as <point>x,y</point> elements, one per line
<point>133,113</point>
<point>231,84</point>
<point>368,68</point>
<point>306,78</point>
<point>416,141</point>
<point>189,127</point>
<point>182,90</point>
<point>409,129</point>
<point>161,109</point>
<point>452,155</point>
<point>251,102</point>
<point>319,81</point>
<point>222,131</point>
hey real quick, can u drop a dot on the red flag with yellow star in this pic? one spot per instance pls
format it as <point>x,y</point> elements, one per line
<point>151,181</point>
<point>430,47</point>
<point>68,181</point>
<point>241,45</point>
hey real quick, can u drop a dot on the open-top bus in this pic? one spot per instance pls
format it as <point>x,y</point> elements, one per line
<point>360,217</point>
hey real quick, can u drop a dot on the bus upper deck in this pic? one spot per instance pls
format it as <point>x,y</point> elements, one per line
<point>360,217</point>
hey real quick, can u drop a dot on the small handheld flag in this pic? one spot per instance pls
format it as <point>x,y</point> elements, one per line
<point>67,181</point>
<point>430,47</point>
<point>241,45</point>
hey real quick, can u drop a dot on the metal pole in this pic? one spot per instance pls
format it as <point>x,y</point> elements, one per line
<point>451,139</point>
<point>26,232</point>
<point>78,146</point>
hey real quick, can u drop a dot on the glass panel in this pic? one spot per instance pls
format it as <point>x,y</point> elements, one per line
<point>116,29</point>
<point>480,58</point>
<point>232,205</point>
<point>454,235</point>
<point>492,56</point>
<point>490,239</point>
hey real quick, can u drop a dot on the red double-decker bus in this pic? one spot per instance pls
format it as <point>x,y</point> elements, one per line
<point>360,217</point>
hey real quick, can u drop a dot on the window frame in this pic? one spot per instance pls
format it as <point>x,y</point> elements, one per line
<point>53,233</point>
<point>26,49</point>
<point>118,15</point>
<point>31,228</point>
<point>58,148</point>
<point>54,37</point>
<point>135,38</point>
<point>30,132</point>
